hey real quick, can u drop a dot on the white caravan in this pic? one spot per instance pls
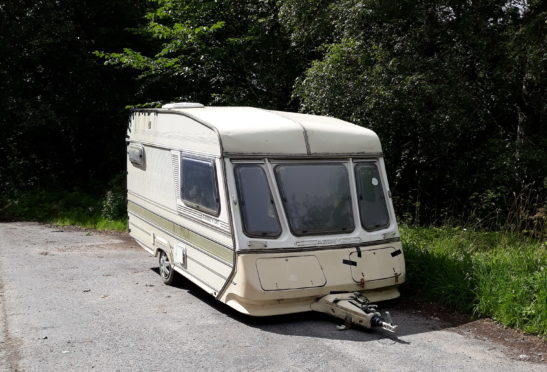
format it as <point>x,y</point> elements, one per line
<point>270,212</point>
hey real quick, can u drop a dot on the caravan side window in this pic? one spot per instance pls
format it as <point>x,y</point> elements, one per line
<point>199,185</point>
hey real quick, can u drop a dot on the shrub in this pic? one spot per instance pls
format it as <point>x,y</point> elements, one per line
<point>501,275</point>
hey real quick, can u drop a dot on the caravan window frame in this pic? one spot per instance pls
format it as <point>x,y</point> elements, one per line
<point>192,204</point>
<point>241,197</point>
<point>280,188</point>
<point>361,204</point>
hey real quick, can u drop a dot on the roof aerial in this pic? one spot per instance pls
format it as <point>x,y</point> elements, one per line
<point>181,105</point>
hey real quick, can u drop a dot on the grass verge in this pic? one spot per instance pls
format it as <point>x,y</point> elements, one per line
<point>75,208</point>
<point>499,275</point>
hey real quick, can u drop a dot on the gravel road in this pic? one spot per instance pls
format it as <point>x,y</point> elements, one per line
<point>85,301</point>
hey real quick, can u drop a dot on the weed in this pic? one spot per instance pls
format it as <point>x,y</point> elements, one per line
<point>501,275</point>
<point>75,208</point>
<point>114,203</point>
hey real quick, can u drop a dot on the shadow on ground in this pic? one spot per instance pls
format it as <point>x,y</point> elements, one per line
<point>410,319</point>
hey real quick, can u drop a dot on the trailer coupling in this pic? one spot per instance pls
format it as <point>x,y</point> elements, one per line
<point>354,308</point>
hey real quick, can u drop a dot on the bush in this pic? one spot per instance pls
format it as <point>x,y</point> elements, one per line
<point>500,275</point>
<point>114,203</point>
<point>76,207</point>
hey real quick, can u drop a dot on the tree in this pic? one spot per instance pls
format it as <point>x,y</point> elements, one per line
<point>63,114</point>
<point>456,91</point>
<point>214,52</point>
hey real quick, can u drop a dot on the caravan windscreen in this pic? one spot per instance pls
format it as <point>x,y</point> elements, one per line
<point>316,197</point>
<point>372,202</point>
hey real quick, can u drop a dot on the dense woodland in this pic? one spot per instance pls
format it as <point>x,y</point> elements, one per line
<point>456,90</point>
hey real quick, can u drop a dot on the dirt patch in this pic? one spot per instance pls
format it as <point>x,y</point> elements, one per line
<point>70,228</point>
<point>518,345</point>
<point>94,248</point>
<point>126,241</point>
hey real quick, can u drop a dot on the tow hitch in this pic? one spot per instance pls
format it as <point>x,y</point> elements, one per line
<point>354,308</point>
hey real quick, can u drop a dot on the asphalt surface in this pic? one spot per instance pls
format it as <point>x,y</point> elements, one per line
<point>85,301</point>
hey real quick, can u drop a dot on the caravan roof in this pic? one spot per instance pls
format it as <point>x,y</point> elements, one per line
<point>248,130</point>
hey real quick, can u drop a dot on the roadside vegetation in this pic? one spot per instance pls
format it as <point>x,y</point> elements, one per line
<point>68,208</point>
<point>501,275</point>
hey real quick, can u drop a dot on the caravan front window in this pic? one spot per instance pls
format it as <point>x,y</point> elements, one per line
<point>372,202</point>
<point>256,202</point>
<point>316,197</point>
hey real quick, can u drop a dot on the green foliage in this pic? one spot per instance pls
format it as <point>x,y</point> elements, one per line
<point>114,203</point>
<point>489,274</point>
<point>75,208</point>
<point>63,114</point>
<point>214,52</point>
<point>309,23</point>
<point>455,90</point>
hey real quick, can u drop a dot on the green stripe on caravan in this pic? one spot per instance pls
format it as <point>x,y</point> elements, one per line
<point>184,234</point>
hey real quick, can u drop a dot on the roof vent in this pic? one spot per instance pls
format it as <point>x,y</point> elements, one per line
<point>180,105</point>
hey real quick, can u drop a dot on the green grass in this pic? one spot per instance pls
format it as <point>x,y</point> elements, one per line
<point>75,208</point>
<point>488,274</point>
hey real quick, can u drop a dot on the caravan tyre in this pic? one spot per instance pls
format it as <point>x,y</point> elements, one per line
<point>166,270</point>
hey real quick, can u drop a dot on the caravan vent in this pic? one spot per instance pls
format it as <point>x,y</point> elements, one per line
<point>180,105</point>
<point>136,154</point>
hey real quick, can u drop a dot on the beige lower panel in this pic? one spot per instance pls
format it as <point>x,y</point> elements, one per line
<point>285,273</point>
<point>203,277</point>
<point>207,272</point>
<point>145,247</point>
<point>245,293</point>
<point>207,268</point>
<point>199,281</point>
<point>298,305</point>
<point>139,230</point>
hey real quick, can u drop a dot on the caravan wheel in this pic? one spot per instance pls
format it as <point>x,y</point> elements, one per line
<point>166,270</point>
